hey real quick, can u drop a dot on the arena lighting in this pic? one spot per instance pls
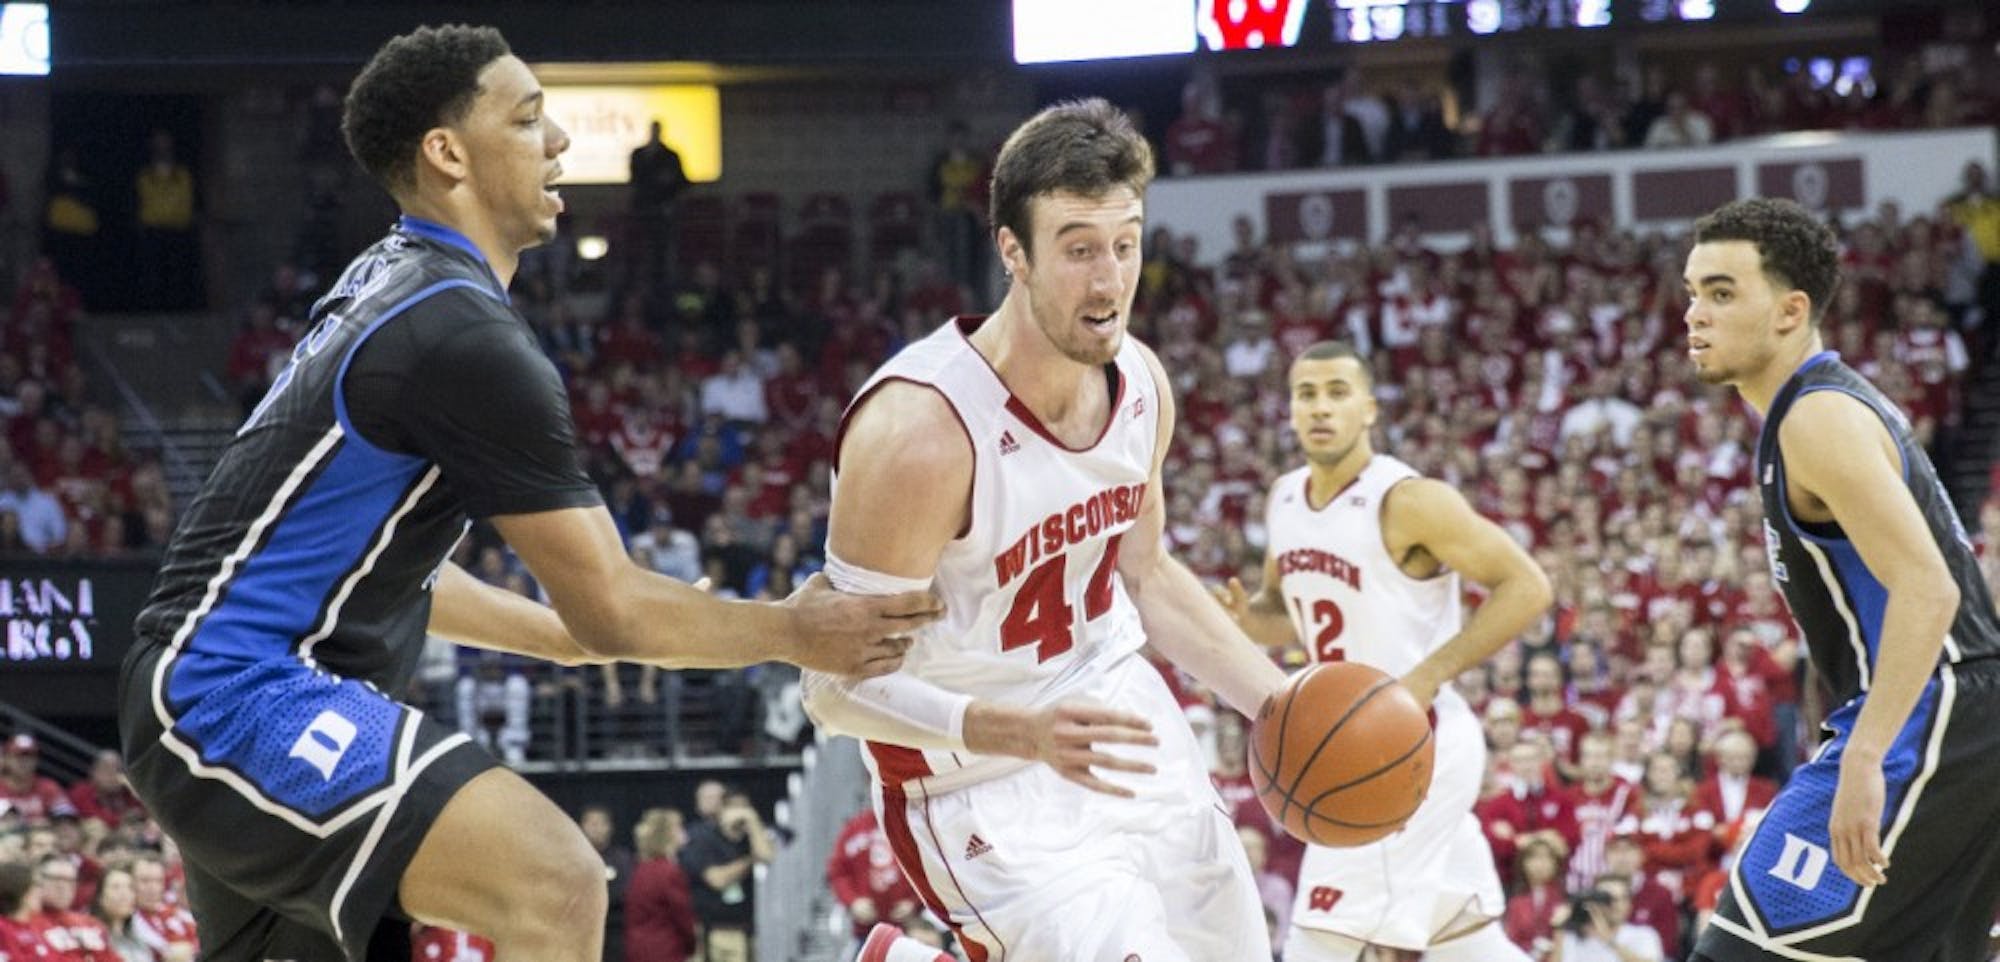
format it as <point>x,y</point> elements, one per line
<point>1482,16</point>
<point>606,122</point>
<point>592,247</point>
<point>24,39</point>
<point>1054,31</point>
<point>1793,6</point>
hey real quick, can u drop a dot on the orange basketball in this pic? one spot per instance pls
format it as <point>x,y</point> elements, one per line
<point>1341,756</point>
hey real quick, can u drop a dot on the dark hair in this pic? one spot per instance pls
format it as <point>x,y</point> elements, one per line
<point>97,898</point>
<point>1081,146</point>
<point>16,878</point>
<point>1333,351</point>
<point>419,81</point>
<point>1798,251</point>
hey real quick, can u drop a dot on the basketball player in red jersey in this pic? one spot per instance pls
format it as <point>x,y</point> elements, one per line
<point>1012,464</point>
<point>1363,564</point>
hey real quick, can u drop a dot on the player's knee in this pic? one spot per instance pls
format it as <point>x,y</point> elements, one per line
<point>566,890</point>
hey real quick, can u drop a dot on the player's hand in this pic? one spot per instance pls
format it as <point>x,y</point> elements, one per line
<point>1855,825</point>
<point>1233,599</point>
<point>1066,736</point>
<point>1421,686</point>
<point>857,635</point>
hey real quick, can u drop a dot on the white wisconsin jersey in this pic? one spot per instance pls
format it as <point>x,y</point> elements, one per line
<point>1348,599</point>
<point>1033,604</point>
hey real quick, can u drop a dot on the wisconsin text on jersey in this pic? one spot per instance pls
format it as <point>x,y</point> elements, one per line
<point>1071,526</point>
<point>1302,560</point>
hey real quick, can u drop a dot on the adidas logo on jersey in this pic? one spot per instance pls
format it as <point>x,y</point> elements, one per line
<point>975,847</point>
<point>1007,443</point>
<point>1138,407</point>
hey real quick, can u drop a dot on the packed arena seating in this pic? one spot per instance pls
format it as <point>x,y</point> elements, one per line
<point>68,485</point>
<point>1281,123</point>
<point>710,407</point>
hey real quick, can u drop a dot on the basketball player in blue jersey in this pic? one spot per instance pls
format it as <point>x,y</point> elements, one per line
<point>318,815</point>
<point>1886,846</point>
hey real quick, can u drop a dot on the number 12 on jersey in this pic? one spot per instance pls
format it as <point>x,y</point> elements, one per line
<point>1329,621</point>
<point>1042,616</point>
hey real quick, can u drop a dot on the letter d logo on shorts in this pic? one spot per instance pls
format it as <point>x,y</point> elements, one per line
<point>324,741</point>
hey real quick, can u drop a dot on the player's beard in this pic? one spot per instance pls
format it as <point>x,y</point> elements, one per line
<point>1065,331</point>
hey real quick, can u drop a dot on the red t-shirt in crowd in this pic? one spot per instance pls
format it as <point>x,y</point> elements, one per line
<point>432,944</point>
<point>75,937</point>
<point>22,942</point>
<point>864,866</point>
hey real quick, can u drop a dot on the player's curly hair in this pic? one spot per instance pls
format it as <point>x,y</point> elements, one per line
<point>1799,252</point>
<point>1084,147</point>
<point>424,79</point>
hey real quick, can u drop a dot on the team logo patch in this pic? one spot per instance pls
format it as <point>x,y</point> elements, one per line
<point>975,847</point>
<point>324,742</point>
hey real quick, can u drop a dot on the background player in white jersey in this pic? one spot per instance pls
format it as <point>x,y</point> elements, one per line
<point>1363,564</point>
<point>1013,462</point>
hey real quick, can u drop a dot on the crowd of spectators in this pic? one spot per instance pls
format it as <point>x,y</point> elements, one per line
<point>85,875</point>
<point>1355,120</point>
<point>69,487</point>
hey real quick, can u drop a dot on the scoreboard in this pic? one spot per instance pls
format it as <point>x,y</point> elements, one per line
<point>1366,21</point>
<point>1050,30</point>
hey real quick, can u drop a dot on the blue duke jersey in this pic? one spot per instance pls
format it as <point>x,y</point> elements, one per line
<point>418,399</point>
<point>1836,600</point>
<point>1786,899</point>
<point>255,711</point>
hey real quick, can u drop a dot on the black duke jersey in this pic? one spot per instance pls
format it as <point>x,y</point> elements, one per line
<point>1786,899</point>
<point>418,399</point>
<point>1836,600</point>
<point>254,710</point>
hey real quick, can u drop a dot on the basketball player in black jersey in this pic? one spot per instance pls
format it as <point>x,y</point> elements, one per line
<point>1886,846</point>
<point>316,813</point>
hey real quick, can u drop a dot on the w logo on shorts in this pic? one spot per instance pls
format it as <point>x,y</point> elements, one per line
<point>324,741</point>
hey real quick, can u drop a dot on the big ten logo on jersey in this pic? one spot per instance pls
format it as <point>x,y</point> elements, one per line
<point>1779,572</point>
<point>1041,614</point>
<point>1323,898</point>
<point>324,741</point>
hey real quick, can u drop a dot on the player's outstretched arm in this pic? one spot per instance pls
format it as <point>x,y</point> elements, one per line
<point>1182,621</point>
<point>471,612</point>
<point>1261,614</point>
<point>1430,515</point>
<point>1839,455</point>
<point>905,482</point>
<point>615,609</point>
